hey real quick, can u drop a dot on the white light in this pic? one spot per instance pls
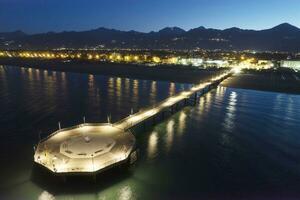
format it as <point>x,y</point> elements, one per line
<point>236,70</point>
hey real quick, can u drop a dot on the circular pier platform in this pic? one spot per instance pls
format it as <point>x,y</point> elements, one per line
<point>86,148</point>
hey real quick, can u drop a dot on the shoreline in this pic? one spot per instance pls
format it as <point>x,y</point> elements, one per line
<point>179,74</point>
<point>275,80</point>
<point>281,81</point>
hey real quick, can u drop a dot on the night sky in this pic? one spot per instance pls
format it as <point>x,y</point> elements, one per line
<point>34,16</point>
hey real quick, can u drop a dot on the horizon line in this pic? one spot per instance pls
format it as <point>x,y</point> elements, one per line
<point>130,30</point>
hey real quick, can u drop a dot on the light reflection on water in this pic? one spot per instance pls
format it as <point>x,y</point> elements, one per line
<point>118,90</point>
<point>170,134</point>
<point>135,91</point>
<point>126,193</point>
<point>229,121</point>
<point>152,145</point>
<point>182,122</point>
<point>172,89</point>
<point>208,99</point>
<point>46,196</point>
<point>153,92</point>
<point>127,86</point>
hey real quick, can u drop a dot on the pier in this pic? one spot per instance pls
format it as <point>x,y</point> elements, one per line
<point>170,103</point>
<point>90,148</point>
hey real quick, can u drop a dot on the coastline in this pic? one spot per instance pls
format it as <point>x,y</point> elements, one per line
<point>279,80</point>
<point>282,81</point>
<point>178,74</point>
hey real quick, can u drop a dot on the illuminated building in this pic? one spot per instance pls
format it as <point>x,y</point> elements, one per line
<point>292,64</point>
<point>191,61</point>
<point>216,63</point>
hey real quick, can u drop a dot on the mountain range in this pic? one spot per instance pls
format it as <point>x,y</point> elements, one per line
<point>284,37</point>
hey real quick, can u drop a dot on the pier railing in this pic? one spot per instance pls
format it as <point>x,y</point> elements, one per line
<point>71,128</point>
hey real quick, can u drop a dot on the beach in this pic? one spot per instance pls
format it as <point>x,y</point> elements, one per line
<point>284,81</point>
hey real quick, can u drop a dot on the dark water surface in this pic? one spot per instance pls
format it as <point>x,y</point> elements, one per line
<point>234,144</point>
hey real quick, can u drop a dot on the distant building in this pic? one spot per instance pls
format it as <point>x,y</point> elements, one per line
<point>292,64</point>
<point>191,61</point>
<point>265,64</point>
<point>216,63</point>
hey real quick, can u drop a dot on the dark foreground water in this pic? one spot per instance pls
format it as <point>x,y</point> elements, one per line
<point>234,144</point>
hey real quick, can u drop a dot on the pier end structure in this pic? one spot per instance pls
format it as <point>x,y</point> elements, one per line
<point>85,149</point>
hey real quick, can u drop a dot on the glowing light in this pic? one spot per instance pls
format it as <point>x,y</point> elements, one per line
<point>156,59</point>
<point>127,58</point>
<point>119,57</point>
<point>236,70</point>
<point>90,57</point>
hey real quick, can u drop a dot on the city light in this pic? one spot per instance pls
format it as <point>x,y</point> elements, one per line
<point>203,60</point>
<point>236,70</point>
